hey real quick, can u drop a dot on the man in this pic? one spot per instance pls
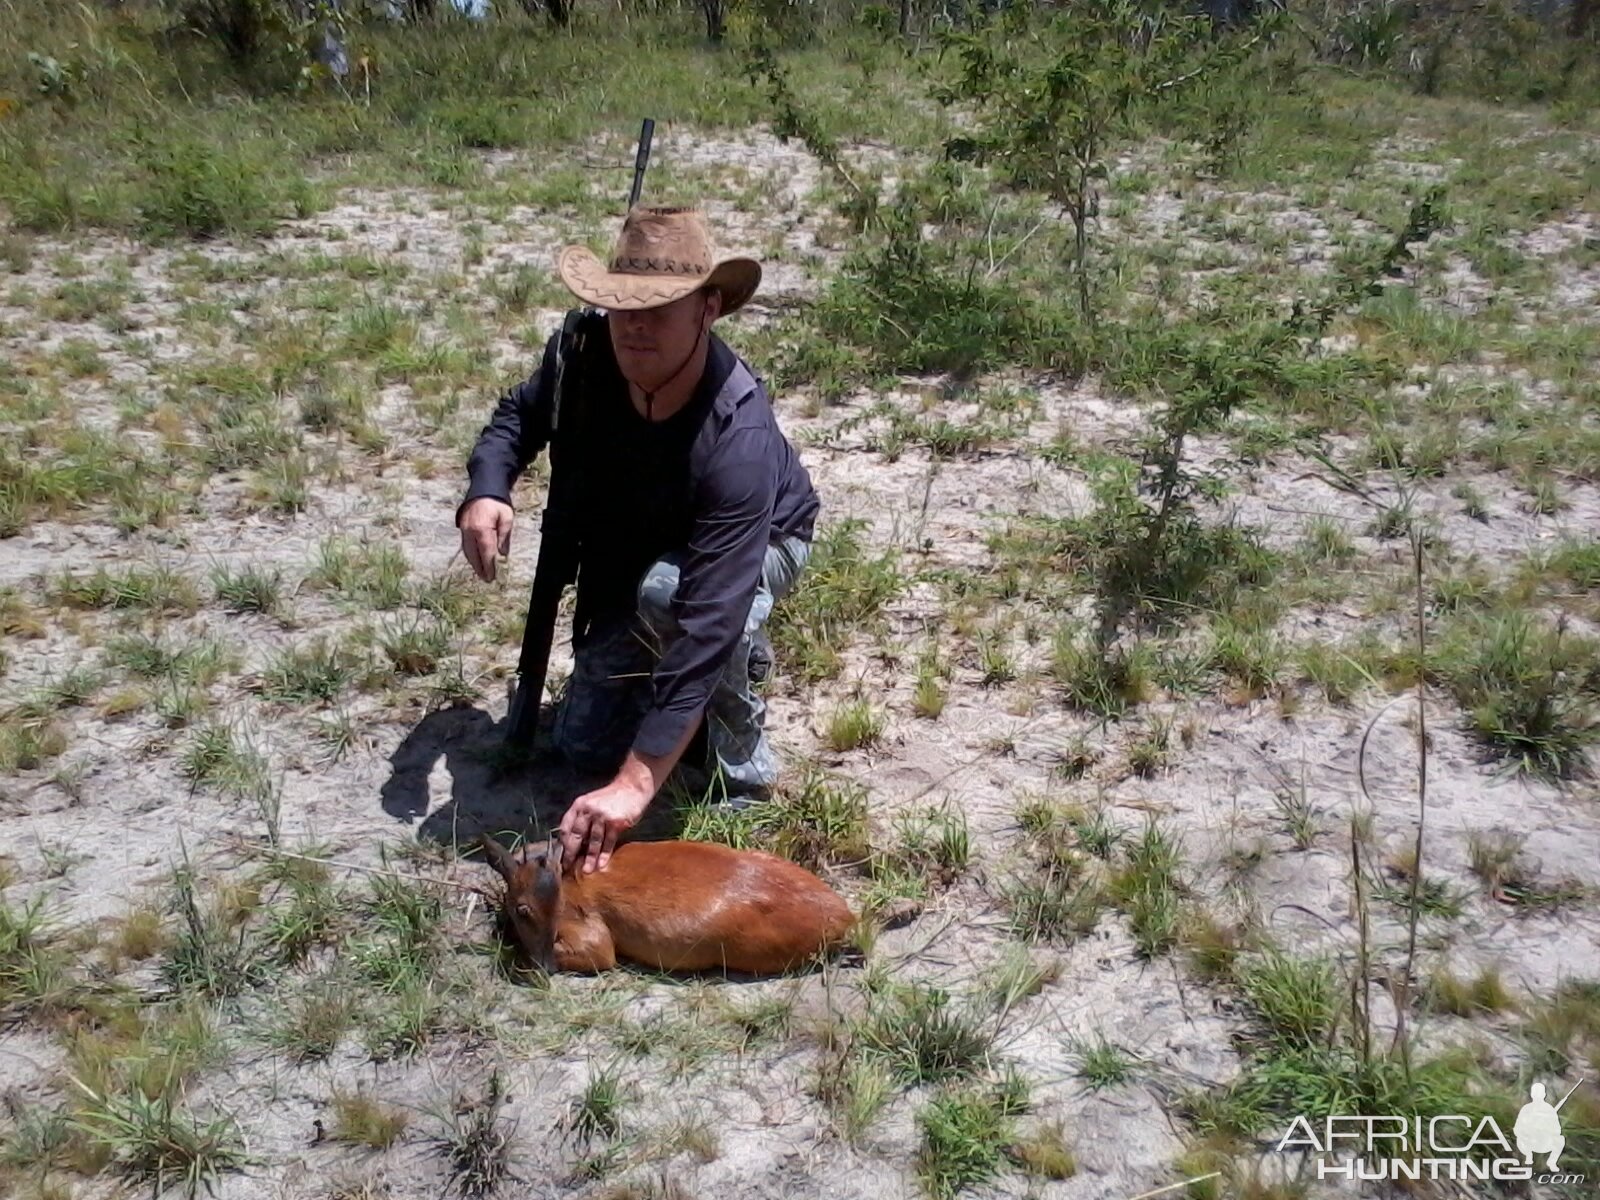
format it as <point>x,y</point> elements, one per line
<point>696,516</point>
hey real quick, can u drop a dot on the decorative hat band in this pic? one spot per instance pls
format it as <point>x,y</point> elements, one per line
<point>638,266</point>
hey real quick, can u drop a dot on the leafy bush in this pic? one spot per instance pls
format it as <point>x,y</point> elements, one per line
<point>481,124</point>
<point>195,189</point>
<point>915,303</point>
<point>1476,47</point>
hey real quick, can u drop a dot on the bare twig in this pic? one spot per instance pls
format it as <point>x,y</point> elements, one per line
<point>1422,811</point>
<point>995,266</point>
<point>365,870</point>
<point>1363,1010</point>
<point>1361,748</point>
<point>1172,1187</point>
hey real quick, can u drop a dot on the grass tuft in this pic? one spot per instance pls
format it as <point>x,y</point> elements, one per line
<point>359,1119</point>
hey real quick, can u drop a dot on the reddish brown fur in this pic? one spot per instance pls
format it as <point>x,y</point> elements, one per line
<point>674,906</point>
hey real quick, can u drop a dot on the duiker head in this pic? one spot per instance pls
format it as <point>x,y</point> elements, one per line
<point>533,895</point>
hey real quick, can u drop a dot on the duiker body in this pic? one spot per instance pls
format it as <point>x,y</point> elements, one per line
<point>674,906</point>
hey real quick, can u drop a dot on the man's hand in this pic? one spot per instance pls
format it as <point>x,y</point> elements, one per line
<point>595,820</point>
<point>485,528</point>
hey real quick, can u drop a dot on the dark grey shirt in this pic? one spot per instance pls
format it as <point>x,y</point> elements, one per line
<point>716,482</point>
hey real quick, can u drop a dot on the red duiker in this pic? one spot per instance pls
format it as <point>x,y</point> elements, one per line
<point>674,906</point>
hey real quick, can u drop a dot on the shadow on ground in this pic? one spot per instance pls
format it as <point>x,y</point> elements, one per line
<point>493,788</point>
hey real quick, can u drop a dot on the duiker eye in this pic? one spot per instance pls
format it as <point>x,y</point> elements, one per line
<point>524,911</point>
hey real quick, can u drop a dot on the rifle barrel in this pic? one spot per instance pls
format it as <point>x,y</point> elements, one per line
<point>640,159</point>
<point>1568,1096</point>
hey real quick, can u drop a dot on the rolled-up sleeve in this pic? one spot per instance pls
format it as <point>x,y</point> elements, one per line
<point>717,582</point>
<point>517,430</point>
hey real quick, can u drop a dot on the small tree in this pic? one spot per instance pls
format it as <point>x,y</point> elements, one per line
<point>716,14</point>
<point>1147,540</point>
<point>1051,99</point>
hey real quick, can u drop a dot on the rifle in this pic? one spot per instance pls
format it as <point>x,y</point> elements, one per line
<point>558,527</point>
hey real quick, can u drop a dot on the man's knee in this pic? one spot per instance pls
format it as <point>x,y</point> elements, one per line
<point>604,700</point>
<point>657,586</point>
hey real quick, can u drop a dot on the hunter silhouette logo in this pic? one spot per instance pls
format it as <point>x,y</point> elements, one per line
<point>1538,1128</point>
<point>1444,1146</point>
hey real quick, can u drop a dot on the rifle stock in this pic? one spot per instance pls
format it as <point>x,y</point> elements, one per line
<point>558,542</point>
<point>558,538</point>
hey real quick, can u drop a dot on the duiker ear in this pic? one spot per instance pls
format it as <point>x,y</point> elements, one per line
<point>498,857</point>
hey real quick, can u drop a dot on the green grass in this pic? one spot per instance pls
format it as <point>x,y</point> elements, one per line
<point>310,1025</point>
<point>854,725</point>
<point>1465,997</point>
<point>399,945</point>
<point>208,954</point>
<point>214,757</point>
<point>406,1017</point>
<point>160,1142</point>
<point>922,1036</point>
<point>1575,562</point>
<point>311,916</point>
<point>1057,903</point>
<point>1559,1029</point>
<point>1101,1064</point>
<point>1106,686</point>
<point>359,1119</point>
<point>1017,976</point>
<point>962,1143</point>
<point>1523,686</point>
<point>199,661</point>
<point>34,965</point>
<point>813,817</point>
<point>1296,1000</point>
<point>476,1139</point>
<point>837,597</point>
<point>856,1090</point>
<point>196,188</point>
<point>596,1113</point>
<point>366,574</point>
<point>1148,887</point>
<point>317,672</point>
<point>154,589</point>
<point>966,1135</point>
<point>933,845</point>
<point>415,645</point>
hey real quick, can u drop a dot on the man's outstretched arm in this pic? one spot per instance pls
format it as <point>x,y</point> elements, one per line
<point>517,430</point>
<point>717,584</point>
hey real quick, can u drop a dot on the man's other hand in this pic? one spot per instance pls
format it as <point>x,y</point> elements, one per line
<point>485,529</point>
<point>591,826</point>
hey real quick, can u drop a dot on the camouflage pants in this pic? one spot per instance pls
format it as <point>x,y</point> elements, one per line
<point>609,691</point>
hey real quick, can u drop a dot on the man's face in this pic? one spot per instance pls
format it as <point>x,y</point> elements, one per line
<point>652,343</point>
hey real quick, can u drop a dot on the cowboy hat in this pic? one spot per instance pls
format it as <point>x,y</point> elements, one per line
<point>663,254</point>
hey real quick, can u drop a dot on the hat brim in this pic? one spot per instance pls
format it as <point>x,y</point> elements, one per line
<point>588,278</point>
